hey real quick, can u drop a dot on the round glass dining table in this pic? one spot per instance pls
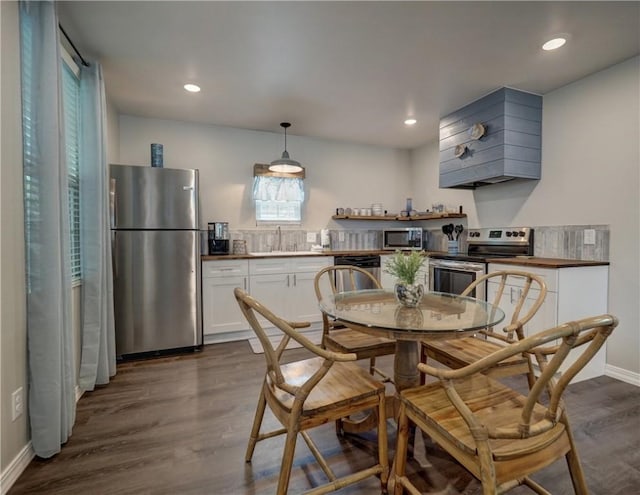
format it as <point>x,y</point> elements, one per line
<point>439,315</point>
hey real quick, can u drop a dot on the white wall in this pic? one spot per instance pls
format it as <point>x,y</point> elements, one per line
<point>425,180</point>
<point>113,133</point>
<point>590,175</point>
<point>338,174</point>
<point>13,336</point>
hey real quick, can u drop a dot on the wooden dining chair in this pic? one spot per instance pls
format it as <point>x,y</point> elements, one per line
<point>309,393</point>
<point>456,353</point>
<point>497,434</point>
<point>336,336</point>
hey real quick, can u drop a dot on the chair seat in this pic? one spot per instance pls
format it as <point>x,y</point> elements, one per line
<point>344,384</point>
<point>457,353</point>
<point>492,403</point>
<point>362,344</point>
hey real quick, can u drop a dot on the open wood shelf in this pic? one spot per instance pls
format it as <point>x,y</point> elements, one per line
<point>429,216</point>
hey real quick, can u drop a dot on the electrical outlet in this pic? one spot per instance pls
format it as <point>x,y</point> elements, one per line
<point>312,236</point>
<point>589,236</point>
<point>17,404</point>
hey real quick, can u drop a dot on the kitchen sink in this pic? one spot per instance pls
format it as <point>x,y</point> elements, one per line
<point>286,253</point>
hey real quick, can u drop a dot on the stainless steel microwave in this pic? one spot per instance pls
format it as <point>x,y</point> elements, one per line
<point>407,238</point>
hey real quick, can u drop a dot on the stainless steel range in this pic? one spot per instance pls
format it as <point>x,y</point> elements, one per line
<point>454,272</point>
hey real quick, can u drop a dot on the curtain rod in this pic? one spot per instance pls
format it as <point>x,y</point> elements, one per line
<point>84,62</point>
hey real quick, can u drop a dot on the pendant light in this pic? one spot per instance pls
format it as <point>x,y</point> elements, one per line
<point>285,164</point>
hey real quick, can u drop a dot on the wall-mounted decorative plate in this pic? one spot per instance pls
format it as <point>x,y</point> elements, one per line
<point>476,131</point>
<point>459,150</point>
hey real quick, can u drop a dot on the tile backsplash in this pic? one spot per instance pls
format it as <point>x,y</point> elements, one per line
<point>261,240</point>
<point>562,241</point>
<point>567,241</point>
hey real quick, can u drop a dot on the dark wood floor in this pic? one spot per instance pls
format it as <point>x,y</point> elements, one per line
<point>180,425</point>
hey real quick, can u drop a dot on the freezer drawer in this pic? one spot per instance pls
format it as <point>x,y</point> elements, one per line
<point>156,290</point>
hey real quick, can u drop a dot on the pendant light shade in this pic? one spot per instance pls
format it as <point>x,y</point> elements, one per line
<point>285,164</point>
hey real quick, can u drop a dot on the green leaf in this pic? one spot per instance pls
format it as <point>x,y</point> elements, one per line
<point>405,267</point>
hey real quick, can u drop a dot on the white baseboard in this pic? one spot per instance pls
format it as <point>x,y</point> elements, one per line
<point>622,375</point>
<point>15,468</point>
<point>22,460</point>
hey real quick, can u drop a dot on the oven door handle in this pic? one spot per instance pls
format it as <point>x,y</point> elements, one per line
<point>458,265</point>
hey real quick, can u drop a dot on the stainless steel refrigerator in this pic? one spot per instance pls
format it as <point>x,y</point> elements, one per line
<point>156,259</point>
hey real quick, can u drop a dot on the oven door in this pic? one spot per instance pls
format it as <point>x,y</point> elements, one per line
<point>454,276</point>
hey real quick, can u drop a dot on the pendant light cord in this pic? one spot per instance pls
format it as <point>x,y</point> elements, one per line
<point>285,125</point>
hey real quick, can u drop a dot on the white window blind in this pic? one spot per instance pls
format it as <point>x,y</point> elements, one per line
<point>32,193</point>
<point>71,103</point>
<point>32,216</point>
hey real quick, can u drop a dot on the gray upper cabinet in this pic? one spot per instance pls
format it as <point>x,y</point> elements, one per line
<point>505,145</point>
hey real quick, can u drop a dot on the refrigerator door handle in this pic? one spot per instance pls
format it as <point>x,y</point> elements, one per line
<point>112,203</point>
<point>187,188</point>
<point>114,252</point>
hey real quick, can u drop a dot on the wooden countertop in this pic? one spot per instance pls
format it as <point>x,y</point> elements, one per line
<point>546,262</point>
<point>286,254</point>
<point>516,260</point>
<point>370,252</point>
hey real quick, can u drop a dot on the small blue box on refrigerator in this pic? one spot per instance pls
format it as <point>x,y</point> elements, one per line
<point>156,155</point>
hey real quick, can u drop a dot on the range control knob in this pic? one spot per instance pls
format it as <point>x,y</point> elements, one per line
<point>521,234</point>
<point>508,234</point>
<point>514,234</point>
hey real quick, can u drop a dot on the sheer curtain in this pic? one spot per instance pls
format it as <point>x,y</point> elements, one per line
<point>278,188</point>
<point>98,361</point>
<point>49,333</point>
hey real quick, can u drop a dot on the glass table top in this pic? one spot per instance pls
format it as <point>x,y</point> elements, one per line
<point>439,313</point>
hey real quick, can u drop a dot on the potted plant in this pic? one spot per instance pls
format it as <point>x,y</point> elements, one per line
<point>405,268</point>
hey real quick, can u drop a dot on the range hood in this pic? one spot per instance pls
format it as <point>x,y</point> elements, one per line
<point>494,139</point>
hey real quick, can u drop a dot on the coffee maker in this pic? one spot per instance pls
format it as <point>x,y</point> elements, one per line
<point>218,238</point>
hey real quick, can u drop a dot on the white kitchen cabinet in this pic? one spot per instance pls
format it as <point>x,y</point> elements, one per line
<point>388,281</point>
<point>221,315</point>
<point>285,285</point>
<point>572,293</point>
<point>544,318</point>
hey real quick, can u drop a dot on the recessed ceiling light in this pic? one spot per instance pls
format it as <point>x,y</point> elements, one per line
<point>554,43</point>
<point>410,122</point>
<point>192,88</point>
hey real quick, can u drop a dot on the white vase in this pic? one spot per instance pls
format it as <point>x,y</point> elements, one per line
<point>409,295</point>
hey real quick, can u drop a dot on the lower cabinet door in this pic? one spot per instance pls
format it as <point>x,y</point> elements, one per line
<point>303,303</point>
<point>221,312</point>
<point>273,291</point>
<point>545,317</point>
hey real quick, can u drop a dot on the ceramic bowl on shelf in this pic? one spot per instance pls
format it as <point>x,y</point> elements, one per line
<point>376,209</point>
